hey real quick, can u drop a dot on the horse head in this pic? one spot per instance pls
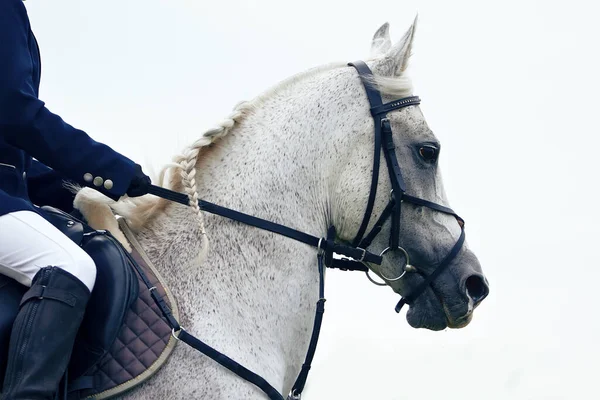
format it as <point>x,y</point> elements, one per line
<point>426,236</point>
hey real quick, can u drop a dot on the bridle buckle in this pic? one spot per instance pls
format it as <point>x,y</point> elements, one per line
<point>364,254</point>
<point>294,396</point>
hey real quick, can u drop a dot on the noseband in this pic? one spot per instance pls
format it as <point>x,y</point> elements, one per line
<point>355,257</point>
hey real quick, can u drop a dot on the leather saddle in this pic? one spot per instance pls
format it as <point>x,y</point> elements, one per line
<point>111,305</point>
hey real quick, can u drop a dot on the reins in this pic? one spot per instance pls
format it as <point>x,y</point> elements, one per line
<point>355,256</point>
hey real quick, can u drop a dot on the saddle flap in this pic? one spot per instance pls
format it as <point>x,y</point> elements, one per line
<point>144,342</point>
<point>116,288</point>
<point>123,339</point>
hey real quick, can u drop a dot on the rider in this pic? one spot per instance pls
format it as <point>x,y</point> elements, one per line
<point>32,251</point>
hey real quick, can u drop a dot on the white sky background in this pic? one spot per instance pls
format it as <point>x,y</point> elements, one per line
<point>511,91</point>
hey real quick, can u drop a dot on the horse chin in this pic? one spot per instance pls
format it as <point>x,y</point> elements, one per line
<point>426,312</point>
<point>430,311</point>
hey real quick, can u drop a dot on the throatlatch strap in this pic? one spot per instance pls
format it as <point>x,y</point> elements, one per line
<point>366,242</point>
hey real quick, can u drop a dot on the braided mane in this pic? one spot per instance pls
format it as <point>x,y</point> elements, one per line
<point>180,174</point>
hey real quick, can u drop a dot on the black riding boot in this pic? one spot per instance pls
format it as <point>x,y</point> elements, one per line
<point>43,335</point>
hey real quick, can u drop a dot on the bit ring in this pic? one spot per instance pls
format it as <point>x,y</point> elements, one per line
<point>404,269</point>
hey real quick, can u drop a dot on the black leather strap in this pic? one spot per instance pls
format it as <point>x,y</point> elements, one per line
<point>374,98</point>
<point>81,383</point>
<point>230,364</point>
<point>434,206</point>
<point>200,345</point>
<point>391,160</point>
<point>395,105</point>
<point>43,292</point>
<point>312,347</point>
<point>347,265</point>
<point>158,299</point>
<point>236,216</point>
<point>383,137</point>
<point>398,185</point>
<point>366,242</point>
<point>366,77</point>
<point>260,223</point>
<point>445,262</point>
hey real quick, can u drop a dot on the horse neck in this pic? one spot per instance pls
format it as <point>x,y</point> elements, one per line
<point>254,296</point>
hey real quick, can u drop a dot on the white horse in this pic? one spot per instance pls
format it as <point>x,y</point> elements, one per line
<point>301,154</point>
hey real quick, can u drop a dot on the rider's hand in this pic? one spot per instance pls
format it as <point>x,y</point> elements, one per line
<point>139,184</point>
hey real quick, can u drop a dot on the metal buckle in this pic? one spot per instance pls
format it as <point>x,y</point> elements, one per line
<point>294,396</point>
<point>364,253</point>
<point>175,333</point>
<point>319,249</point>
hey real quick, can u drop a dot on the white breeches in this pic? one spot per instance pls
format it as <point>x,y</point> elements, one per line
<point>29,243</point>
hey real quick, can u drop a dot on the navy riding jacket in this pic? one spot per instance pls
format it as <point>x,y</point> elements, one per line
<point>38,150</point>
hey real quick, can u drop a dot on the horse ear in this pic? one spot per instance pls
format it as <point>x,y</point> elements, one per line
<point>399,55</point>
<point>381,41</point>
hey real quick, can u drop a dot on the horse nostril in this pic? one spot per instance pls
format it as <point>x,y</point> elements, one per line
<point>477,289</point>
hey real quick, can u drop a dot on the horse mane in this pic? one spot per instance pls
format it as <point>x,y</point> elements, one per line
<point>180,174</point>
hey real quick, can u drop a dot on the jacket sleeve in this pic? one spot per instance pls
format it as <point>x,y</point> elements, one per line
<point>26,123</point>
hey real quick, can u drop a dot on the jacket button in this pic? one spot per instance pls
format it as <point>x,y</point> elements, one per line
<point>108,184</point>
<point>24,175</point>
<point>88,177</point>
<point>98,181</point>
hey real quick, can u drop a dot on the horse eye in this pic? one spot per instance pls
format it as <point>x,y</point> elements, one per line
<point>429,153</point>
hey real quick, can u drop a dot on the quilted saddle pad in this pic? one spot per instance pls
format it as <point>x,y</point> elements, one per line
<point>144,342</point>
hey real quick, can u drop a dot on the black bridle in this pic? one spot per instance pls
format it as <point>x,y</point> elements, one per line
<point>384,140</point>
<point>355,256</point>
